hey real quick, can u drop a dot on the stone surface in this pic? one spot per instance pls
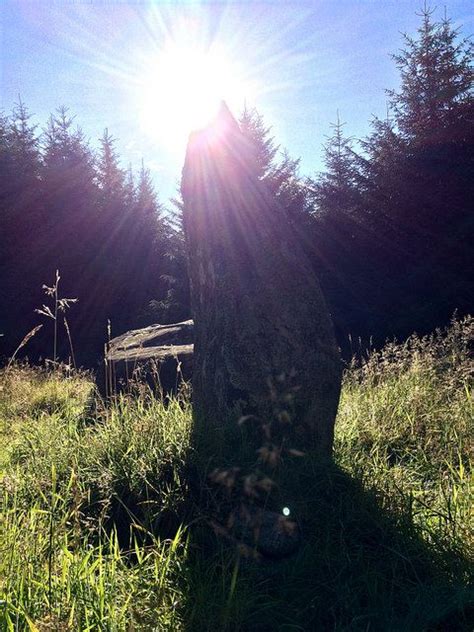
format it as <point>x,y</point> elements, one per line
<point>259,314</point>
<point>162,346</point>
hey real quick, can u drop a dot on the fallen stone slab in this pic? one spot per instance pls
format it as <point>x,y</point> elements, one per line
<point>162,355</point>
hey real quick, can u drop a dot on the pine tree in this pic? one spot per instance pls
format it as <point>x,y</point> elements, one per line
<point>264,150</point>
<point>148,236</point>
<point>68,164</point>
<point>434,114</point>
<point>70,196</point>
<point>21,211</point>
<point>69,191</point>
<point>341,237</point>
<point>271,165</point>
<point>172,303</point>
<point>279,173</point>
<point>19,164</point>
<point>436,80</point>
<point>111,178</point>
<point>146,200</point>
<point>23,140</point>
<point>337,190</point>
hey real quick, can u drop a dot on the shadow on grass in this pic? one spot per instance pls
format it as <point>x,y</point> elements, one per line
<point>359,567</point>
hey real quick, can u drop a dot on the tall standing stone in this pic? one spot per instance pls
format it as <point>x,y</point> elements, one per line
<point>258,309</point>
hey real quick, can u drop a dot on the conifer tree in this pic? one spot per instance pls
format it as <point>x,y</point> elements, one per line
<point>434,115</point>
<point>70,197</point>
<point>436,80</point>
<point>20,156</point>
<point>280,174</point>
<point>146,200</point>
<point>21,218</point>
<point>148,236</point>
<point>337,190</point>
<point>69,193</point>
<point>111,178</point>
<point>254,129</point>
<point>270,164</point>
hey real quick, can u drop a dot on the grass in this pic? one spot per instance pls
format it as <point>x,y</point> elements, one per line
<point>101,526</point>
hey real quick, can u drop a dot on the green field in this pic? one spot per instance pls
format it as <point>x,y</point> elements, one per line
<point>103,525</point>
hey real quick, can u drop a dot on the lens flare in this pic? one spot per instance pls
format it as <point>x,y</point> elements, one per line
<point>183,90</point>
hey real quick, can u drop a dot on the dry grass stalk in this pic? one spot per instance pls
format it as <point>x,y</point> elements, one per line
<point>24,342</point>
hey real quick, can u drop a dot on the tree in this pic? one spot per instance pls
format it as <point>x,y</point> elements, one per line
<point>110,177</point>
<point>275,168</point>
<point>69,192</point>
<point>20,162</point>
<point>148,237</point>
<point>343,242</point>
<point>21,216</point>
<point>434,115</point>
<point>70,197</point>
<point>337,190</point>
<point>435,81</point>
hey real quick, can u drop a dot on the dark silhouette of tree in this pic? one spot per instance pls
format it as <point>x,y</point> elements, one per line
<point>341,237</point>
<point>274,166</point>
<point>22,217</point>
<point>20,163</point>
<point>264,149</point>
<point>148,237</point>
<point>110,177</point>
<point>435,81</point>
<point>280,173</point>
<point>68,186</point>
<point>174,304</point>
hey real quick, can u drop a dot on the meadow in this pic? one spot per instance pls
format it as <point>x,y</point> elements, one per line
<point>103,527</point>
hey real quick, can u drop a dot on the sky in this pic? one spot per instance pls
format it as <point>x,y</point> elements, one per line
<point>113,64</point>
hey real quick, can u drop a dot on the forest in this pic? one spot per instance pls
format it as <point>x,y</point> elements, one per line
<point>388,224</point>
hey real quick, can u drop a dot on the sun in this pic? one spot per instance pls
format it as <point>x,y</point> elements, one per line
<point>183,89</point>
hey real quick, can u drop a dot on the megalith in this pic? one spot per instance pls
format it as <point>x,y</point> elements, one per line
<point>261,323</point>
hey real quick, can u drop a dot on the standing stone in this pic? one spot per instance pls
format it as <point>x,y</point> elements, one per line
<point>260,318</point>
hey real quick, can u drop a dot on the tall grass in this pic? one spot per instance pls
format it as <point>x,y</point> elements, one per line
<point>100,520</point>
<point>406,429</point>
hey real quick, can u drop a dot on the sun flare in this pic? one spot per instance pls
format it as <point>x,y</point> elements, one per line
<point>184,88</point>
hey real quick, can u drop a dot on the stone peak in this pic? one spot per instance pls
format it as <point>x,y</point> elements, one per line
<point>222,126</point>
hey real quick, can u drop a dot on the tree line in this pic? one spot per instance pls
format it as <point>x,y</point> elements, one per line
<point>64,206</point>
<point>388,224</point>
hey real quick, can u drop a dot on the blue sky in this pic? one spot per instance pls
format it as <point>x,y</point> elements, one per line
<point>301,61</point>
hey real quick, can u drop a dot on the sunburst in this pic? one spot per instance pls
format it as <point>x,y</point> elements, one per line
<point>183,89</point>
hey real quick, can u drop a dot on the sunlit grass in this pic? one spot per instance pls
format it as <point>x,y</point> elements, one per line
<point>30,397</point>
<point>406,428</point>
<point>99,528</point>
